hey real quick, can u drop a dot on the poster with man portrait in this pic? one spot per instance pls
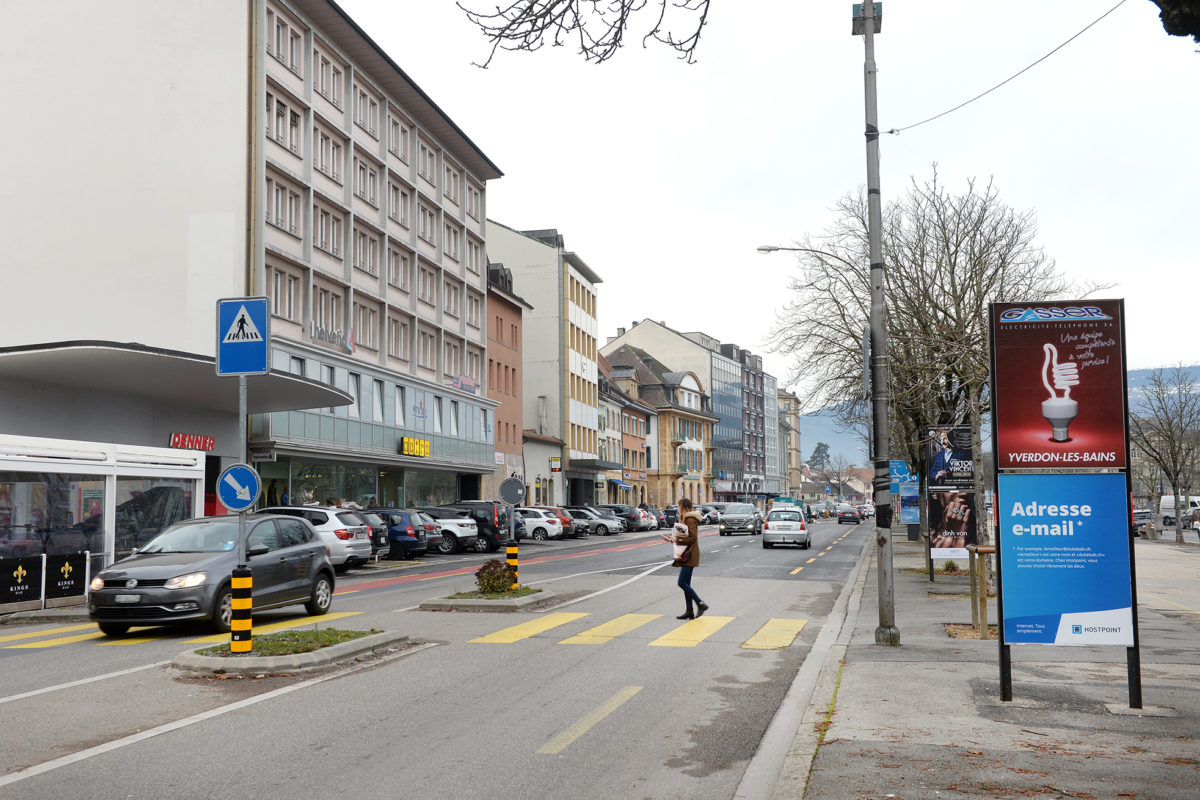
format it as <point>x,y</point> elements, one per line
<point>950,458</point>
<point>952,523</point>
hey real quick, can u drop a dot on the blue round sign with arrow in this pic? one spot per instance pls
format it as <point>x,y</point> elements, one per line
<point>238,487</point>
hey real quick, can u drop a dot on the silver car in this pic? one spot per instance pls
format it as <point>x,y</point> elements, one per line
<point>786,526</point>
<point>347,535</point>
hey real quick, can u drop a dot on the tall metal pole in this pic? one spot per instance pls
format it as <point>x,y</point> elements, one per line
<point>887,632</point>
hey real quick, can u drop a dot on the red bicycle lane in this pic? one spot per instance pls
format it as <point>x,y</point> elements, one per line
<point>380,583</point>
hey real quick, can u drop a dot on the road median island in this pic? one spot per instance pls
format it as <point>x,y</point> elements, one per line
<point>295,663</point>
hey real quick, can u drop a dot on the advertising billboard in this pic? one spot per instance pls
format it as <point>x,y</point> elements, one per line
<point>952,523</point>
<point>950,458</point>
<point>1064,551</point>
<point>1059,383</point>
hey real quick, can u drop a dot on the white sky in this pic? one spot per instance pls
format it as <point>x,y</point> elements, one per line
<point>664,177</point>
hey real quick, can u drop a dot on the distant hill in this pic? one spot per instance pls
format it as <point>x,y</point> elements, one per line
<point>820,426</point>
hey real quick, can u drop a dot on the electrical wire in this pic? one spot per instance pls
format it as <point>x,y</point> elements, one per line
<point>1022,72</point>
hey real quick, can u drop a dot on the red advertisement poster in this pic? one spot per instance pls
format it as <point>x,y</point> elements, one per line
<point>1059,383</point>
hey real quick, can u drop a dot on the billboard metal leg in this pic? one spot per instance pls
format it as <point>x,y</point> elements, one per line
<point>1005,673</point>
<point>1133,658</point>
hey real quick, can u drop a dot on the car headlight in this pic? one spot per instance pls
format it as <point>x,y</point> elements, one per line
<point>97,583</point>
<point>187,581</point>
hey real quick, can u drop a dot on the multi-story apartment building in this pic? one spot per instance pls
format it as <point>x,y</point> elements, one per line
<point>612,487</point>
<point>683,444</point>
<point>505,375</point>
<point>560,353</point>
<point>790,445</point>
<point>736,382</point>
<point>259,148</point>
<point>639,426</point>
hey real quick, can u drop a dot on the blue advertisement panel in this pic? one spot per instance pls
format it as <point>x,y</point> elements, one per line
<point>1064,559</point>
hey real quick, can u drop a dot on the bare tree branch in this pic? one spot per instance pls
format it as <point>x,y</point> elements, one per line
<point>1165,426</point>
<point>599,26</point>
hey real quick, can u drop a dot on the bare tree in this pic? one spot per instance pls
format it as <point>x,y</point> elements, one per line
<point>1165,426</point>
<point>838,470</point>
<point>946,256</point>
<point>599,26</point>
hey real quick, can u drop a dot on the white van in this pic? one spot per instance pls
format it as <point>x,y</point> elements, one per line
<point>1166,507</point>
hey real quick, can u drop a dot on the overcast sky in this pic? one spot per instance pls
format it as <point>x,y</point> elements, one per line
<point>664,177</point>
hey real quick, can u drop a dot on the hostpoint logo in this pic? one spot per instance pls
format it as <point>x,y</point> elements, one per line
<point>1053,313</point>
<point>1077,629</point>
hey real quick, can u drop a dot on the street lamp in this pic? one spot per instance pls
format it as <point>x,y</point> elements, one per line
<point>866,23</point>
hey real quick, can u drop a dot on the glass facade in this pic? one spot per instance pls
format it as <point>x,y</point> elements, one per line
<point>727,405</point>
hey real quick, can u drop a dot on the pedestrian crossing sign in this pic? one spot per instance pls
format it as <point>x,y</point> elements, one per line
<point>243,336</point>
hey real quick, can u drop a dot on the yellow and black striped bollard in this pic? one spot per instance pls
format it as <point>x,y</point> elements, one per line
<point>512,562</point>
<point>241,627</point>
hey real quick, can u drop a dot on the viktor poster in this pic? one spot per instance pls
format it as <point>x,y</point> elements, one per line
<point>1059,386</point>
<point>950,458</point>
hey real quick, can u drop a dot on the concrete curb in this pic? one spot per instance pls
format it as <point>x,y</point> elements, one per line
<point>190,661</point>
<point>481,604</point>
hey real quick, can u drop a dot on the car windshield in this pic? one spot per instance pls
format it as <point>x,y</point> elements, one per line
<point>785,516</point>
<point>372,519</point>
<point>739,508</point>
<point>209,537</point>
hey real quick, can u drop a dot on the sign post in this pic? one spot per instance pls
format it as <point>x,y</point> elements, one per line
<point>1066,560</point>
<point>512,492</point>
<point>243,348</point>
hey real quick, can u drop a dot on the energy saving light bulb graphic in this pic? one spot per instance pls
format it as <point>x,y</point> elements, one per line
<point>1059,411</point>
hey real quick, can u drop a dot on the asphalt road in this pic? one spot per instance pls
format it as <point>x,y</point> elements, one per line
<point>601,694</point>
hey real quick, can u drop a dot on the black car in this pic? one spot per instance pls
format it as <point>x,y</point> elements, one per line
<point>628,514</point>
<point>740,518</point>
<point>850,515</point>
<point>184,573</point>
<point>658,515</point>
<point>379,530</point>
<point>491,517</point>
<point>406,532</point>
<point>671,514</point>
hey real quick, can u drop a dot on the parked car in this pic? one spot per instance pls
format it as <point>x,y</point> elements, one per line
<point>634,521</point>
<point>563,517</point>
<point>786,526</point>
<point>709,515</point>
<point>600,521</point>
<point>658,516</point>
<point>433,532</point>
<point>616,524</point>
<point>585,522</point>
<point>1141,518</point>
<point>718,507</point>
<point>490,517</point>
<point>458,531</point>
<point>848,514</point>
<point>183,574</point>
<point>671,513</point>
<point>346,533</point>
<point>541,524</point>
<point>379,531</point>
<point>740,518</point>
<point>406,532</point>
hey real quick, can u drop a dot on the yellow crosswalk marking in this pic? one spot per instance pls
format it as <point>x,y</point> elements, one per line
<point>776,634</point>
<point>527,629</point>
<point>278,626</point>
<point>47,632</point>
<point>692,633</point>
<point>611,629</point>
<point>83,637</point>
<point>127,640</point>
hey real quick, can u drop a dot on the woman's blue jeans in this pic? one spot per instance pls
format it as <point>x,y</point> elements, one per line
<point>685,583</point>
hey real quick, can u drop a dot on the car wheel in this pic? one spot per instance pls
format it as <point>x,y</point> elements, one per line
<point>448,545</point>
<point>766,545</point>
<point>481,545</point>
<point>222,616</point>
<point>602,530</point>
<point>322,596</point>
<point>397,552</point>
<point>113,628</point>
<point>539,535</point>
<point>342,567</point>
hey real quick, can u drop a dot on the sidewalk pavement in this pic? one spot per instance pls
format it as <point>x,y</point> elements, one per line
<point>925,719</point>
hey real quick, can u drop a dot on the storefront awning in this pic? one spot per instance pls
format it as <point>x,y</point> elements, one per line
<point>187,379</point>
<point>620,484</point>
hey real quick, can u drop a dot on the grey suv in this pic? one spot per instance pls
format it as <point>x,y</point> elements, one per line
<point>347,534</point>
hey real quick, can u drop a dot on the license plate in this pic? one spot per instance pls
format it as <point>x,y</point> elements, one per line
<point>129,598</point>
<point>360,535</point>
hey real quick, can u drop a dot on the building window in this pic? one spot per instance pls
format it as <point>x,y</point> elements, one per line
<point>327,377</point>
<point>398,139</point>
<point>397,269</point>
<point>326,305</point>
<point>427,225</point>
<point>399,404</point>
<point>450,292</point>
<point>425,353</point>
<point>450,243</point>
<point>352,389</point>
<point>473,361</point>
<point>364,326</point>
<point>398,338</point>
<point>335,87</point>
<point>425,286</point>
<point>426,163</point>
<point>398,204</point>
<point>282,206</point>
<point>474,202</point>
<point>437,414</point>
<point>367,179</point>
<point>283,294</point>
<point>450,189</point>
<point>454,418</point>
<point>366,252</point>
<point>377,402</point>
<point>473,256</point>
<point>450,356</point>
<point>474,309</point>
